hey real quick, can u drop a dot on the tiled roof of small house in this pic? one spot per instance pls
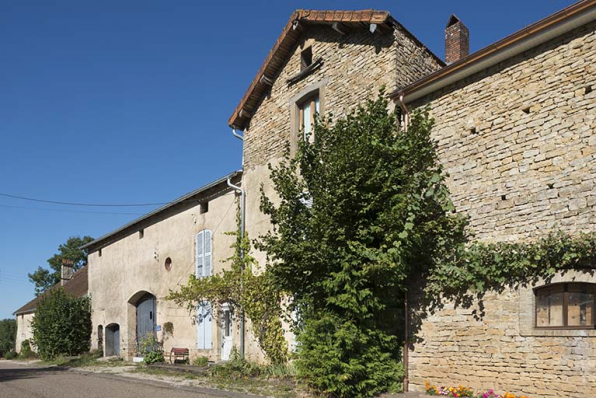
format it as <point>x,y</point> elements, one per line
<point>77,286</point>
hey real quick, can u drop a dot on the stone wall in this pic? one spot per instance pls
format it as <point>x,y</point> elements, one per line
<point>518,141</point>
<point>24,330</point>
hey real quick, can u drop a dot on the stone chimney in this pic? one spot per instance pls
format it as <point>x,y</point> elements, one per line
<point>457,40</point>
<point>67,271</point>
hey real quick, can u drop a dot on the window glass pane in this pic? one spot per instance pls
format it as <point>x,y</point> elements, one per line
<point>306,119</point>
<point>580,305</point>
<point>549,307</point>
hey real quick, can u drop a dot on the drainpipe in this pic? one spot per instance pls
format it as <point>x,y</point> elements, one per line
<point>404,108</point>
<point>242,229</point>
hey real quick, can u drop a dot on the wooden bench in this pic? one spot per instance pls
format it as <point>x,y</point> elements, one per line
<point>179,354</point>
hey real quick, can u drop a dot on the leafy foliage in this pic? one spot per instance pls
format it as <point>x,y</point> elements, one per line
<point>8,335</point>
<point>479,267</point>
<point>26,350</point>
<point>242,287</point>
<point>380,214</point>
<point>62,324</point>
<point>44,278</point>
<point>11,355</point>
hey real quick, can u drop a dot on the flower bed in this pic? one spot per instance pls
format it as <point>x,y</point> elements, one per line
<point>462,391</point>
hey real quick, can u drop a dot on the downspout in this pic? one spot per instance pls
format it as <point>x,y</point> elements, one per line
<point>405,351</point>
<point>242,229</point>
<point>404,108</point>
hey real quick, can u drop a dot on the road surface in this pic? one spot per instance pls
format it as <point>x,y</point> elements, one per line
<point>26,381</point>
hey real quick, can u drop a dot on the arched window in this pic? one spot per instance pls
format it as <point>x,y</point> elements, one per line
<point>566,306</point>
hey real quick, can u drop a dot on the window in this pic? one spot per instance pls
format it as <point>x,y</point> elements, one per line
<point>203,248</point>
<point>306,58</point>
<point>566,306</point>
<point>204,208</point>
<point>141,234</point>
<point>308,109</point>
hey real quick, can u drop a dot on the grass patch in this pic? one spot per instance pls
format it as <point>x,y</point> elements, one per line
<point>83,360</point>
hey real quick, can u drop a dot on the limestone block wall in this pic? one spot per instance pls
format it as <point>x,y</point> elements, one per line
<point>134,264</point>
<point>24,330</point>
<point>518,141</point>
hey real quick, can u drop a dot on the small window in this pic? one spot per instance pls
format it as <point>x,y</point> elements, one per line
<point>308,109</point>
<point>141,234</point>
<point>566,306</point>
<point>168,264</point>
<point>306,58</point>
<point>204,207</point>
<point>99,253</point>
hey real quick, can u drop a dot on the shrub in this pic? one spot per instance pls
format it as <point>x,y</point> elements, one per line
<point>153,357</point>
<point>8,334</point>
<point>237,367</point>
<point>200,361</point>
<point>11,355</point>
<point>62,325</point>
<point>26,351</point>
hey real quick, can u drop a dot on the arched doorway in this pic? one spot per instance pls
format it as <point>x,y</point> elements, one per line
<point>145,309</point>
<point>112,340</point>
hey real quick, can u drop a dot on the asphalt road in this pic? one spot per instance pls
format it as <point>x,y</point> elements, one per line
<point>23,381</point>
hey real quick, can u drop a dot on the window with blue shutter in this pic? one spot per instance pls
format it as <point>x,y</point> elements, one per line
<point>203,269</point>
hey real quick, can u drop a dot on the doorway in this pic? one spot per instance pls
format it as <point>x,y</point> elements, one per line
<point>112,340</point>
<point>226,332</point>
<point>145,317</point>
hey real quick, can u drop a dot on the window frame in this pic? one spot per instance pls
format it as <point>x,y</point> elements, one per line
<point>313,100</point>
<point>565,306</point>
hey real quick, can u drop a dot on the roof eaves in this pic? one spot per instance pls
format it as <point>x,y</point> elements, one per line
<point>244,111</point>
<point>155,212</point>
<point>468,65</point>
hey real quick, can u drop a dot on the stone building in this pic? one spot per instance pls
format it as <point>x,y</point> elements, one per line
<point>515,125</point>
<point>74,283</point>
<point>516,128</point>
<point>132,270</point>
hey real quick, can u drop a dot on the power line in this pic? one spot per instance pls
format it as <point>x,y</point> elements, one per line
<point>81,204</point>
<point>69,211</point>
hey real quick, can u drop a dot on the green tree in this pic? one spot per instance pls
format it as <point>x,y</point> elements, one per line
<point>359,212</point>
<point>8,335</point>
<point>44,278</point>
<point>62,324</point>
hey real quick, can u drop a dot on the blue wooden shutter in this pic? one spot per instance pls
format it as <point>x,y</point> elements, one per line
<point>204,319</point>
<point>204,316</point>
<point>207,253</point>
<point>200,250</point>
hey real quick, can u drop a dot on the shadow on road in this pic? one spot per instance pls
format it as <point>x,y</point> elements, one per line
<point>10,372</point>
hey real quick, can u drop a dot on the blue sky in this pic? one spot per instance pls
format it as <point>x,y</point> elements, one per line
<point>127,102</point>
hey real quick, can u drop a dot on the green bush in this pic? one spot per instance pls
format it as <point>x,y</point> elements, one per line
<point>26,351</point>
<point>62,325</point>
<point>200,361</point>
<point>344,359</point>
<point>237,367</point>
<point>11,355</point>
<point>8,335</point>
<point>153,357</point>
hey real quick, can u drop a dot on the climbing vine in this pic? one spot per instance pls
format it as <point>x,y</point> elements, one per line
<point>244,287</point>
<point>478,267</point>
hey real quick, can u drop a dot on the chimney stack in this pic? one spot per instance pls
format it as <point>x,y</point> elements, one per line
<point>457,40</point>
<point>67,271</point>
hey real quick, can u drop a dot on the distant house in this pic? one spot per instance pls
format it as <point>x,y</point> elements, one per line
<point>74,283</point>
